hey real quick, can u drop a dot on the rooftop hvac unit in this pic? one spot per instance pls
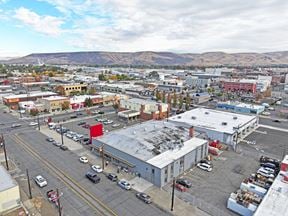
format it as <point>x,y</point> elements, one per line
<point>224,123</point>
<point>235,117</point>
<point>193,117</point>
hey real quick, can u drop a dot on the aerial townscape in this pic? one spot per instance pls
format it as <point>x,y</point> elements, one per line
<point>108,127</point>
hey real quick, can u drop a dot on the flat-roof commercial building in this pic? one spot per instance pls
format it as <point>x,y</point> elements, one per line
<point>9,192</point>
<point>156,150</point>
<point>54,103</point>
<point>148,109</point>
<point>73,87</point>
<point>241,107</point>
<point>13,100</point>
<point>275,202</point>
<point>218,125</point>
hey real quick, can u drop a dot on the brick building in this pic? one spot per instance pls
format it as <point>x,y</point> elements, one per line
<point>240,85</point>
<point>147,109</point>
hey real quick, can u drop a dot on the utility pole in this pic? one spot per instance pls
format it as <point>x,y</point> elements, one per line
<point>101,151</point>
<point>38,121</point>
<point>61,132</point>
<point>29,185</point>
<point>58,202</point>
<point>5,153</point>
<point>173,190</point>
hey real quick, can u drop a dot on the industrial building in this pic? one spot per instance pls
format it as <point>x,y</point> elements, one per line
<point>241,107</point>
<point>54,103</point>
<point>9,192</point>
<point>157,151</point>
<point>226,127</point>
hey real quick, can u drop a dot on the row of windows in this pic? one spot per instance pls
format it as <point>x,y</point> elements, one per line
<point>72,88</point>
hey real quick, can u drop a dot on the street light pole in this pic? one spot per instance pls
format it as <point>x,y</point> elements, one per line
<point>102,155</point>
<point>61,132</point>
<point>29,185</point>
<point>173,190</point>
<point>5,153</point>
<point>38,123</point>
<point>58,201</point>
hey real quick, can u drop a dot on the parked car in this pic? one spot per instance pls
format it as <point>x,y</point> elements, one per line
<point>205,166</point>
<point>56,143</point>
<point>76,139</point>
<point>64,148</point>
<point>206,161</point>
<point>81,123</point>
<point>40,181</point>
<point>265,173</point>
<point>270,165</point>
<point>124,184</point>
<point>112,177</point>
<point>49,139</point>
<point>87,126</point>
<point>264,159</point>
<point>144,197</point>
<point>108,122</point>
<point>83,159</point>
<point>93,177</point>
<point>33,123</point>
<point>97,168</point>
<point>16,125</point>
<point>185,182</point>
<point>73,116</point>
<point>101,112</point>
<point>116,125</point>
<point>277,121</point>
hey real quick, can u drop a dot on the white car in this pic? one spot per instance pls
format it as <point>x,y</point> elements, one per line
<point>265,173</point>
<point>40,181</point>
<point>76,139</point>
<point>33,123</point>
<point>205,166</point>
<point>116,125</point>
<point>97,168</point>
<point>124,184</point>
<point>83,159</point>
<point>266,113</point>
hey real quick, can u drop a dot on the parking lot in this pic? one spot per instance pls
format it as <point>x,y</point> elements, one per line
<point>211,190</point>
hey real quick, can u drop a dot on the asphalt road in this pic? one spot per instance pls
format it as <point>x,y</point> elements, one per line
<point>270,122</point>
<point>120,201</point>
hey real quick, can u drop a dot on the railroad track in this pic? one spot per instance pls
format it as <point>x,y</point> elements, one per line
<point>97,205</point>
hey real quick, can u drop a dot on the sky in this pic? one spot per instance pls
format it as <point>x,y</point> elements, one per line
<point>182,26</point>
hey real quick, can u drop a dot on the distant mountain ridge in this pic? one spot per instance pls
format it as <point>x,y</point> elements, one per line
<point>154,58</point>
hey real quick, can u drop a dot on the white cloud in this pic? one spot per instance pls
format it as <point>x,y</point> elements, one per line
<point>182,25</point>
<point>48,25</point>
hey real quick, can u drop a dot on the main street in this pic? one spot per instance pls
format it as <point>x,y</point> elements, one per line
<point>63,170</point>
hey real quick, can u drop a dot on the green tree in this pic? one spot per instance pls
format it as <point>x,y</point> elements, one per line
<point>92,91</point>
<point>65,105</point>
<point>174,100</point>
<point>169,98</point>
<point>72,93</point>
<point>180,101</point>
<point>163,97</point>
<point>116,106</point>
<point>60,90</point>
<point>188,101</point>
<point>88,102</point>
<point>102,77</point>
<point>34,112</point>
<point>158,95</point>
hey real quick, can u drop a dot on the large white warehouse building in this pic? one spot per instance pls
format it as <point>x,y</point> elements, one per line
<point>226,127</point>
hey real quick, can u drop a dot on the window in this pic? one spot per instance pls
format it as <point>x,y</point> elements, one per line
<point>165,180</point>
<point>166,170</point>
<point>153,171</point>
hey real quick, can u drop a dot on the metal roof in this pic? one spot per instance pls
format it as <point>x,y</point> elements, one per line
<point>6,181</point>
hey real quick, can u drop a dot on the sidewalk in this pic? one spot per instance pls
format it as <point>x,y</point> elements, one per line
<point>163,200</point>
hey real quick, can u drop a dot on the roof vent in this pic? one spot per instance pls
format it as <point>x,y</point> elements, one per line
<point>206,113</point>
<point>235,117</point>
<point>193,117</point>
<point>224,123</point>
